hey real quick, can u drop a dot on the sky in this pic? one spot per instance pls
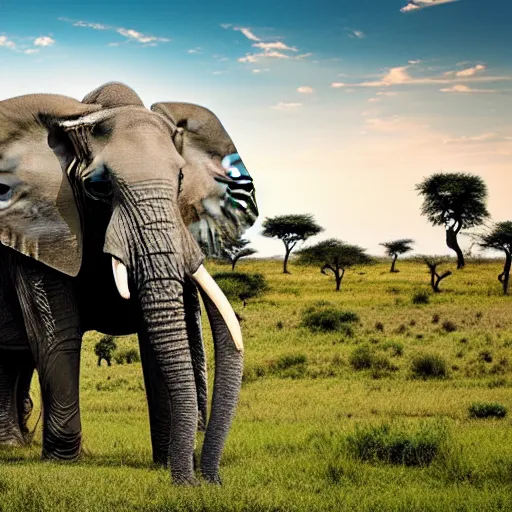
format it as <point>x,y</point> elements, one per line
<point>338,108</point>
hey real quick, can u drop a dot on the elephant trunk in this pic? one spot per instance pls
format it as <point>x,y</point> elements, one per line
<point>146,234</point>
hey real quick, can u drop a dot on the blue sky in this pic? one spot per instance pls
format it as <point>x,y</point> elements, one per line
<point>337,108</point>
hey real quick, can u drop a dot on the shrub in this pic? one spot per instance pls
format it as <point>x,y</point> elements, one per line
<point>487,410</point>
<point>427,366</point>
<point>327,318</point>
<point>361,358</point>
<point>421,297</point>
<point>280,324</point>
<point>128,356</point>
<point>379,326</point>
<point>392,446</point>
<point>237,285</point>
<point>292,366</point>
<point>381,366</point>
<point>449,326</point>
<point>396,348</point>
<point>435,318</point>
<point>485,355</point>
<point>105,348</point>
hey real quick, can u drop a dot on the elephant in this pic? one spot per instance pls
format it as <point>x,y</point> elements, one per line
<point>98,203</point>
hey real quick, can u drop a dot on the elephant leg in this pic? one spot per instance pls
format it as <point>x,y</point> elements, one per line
<point>53,329</point>
<point>13,365</point>
<point>25,405</point>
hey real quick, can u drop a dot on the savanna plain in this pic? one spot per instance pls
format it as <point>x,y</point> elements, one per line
<point>380,413</point>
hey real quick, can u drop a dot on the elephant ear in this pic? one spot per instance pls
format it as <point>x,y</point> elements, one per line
<point>217,199</point>
<point>113,94</point>
<point>38,212</point>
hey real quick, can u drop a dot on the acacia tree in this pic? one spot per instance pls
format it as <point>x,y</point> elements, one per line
<point>334,255</point>
<point>291,229</point>
<point>235,249</point>
<point>397,247</point>
<point>499,237</point>
<point>433,263</point>
<point>456,200</point>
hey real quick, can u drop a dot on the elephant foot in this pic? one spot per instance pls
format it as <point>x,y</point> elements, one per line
<point>64,448</point>
<point>11,437</point>
<point>213,478</point>
<point>184,480</point>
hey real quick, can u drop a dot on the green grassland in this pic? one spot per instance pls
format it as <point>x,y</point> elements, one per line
<point>303,401</point>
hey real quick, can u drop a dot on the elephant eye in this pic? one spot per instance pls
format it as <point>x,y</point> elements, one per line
<point>98,185</point>
<point>5,195</point>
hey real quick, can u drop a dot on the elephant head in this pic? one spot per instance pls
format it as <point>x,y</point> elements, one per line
<point>143,168</point>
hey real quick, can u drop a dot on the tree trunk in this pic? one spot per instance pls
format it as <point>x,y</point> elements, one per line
<point>504,277</point>
<point>339,278</point>
<point>233,264</point>
<point>285,263</point>
<point>452,243</point>
<point>395,256</point>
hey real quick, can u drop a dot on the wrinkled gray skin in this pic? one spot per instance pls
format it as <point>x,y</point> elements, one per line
<point>62,284</point>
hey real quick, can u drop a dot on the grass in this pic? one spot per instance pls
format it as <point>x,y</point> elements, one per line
<point>302,400</point>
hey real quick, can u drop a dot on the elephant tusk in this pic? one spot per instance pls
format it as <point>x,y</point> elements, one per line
<point>211,288</point>
<point>121,278</point>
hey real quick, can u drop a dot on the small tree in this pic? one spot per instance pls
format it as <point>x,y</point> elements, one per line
<point>291,229</point>
<point>334,255</point>
<point>235,249</point>
<point>397,247</point>
<point>104,349</point>
<point>237,285</point>
<point>433,263</point>
<point>499,237</point>
<point>456,200</point>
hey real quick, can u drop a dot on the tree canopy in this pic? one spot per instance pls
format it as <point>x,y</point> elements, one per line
<point>334,255</point>
<point>291,229</point>
<point>235,249</point>
<point>457,196</point>
<point>400,246</point>
<point>456,200</point>
<point>499,237</point>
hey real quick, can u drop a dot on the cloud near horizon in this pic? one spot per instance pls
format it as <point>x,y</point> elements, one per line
<point>416,5</point>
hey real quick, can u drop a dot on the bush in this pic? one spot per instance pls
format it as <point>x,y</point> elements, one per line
<point>105,348</point>
<point>383,444</point>
<point>292,366</point>
<point>327,319</point>
<point>487,410</point>
<point>449,326</point>
<point>421,297</point>
<point>396,348</point>
<point>361,358</point>
<point>128,356</point>
<point>240,286</point>
<point>435,318</point>
<point>428,366</point>
<point>381,366</point>
<point>379,326</point>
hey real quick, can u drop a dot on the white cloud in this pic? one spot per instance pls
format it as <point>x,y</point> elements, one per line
<point>256,71</point>
<point>247,32</point>
<point>94,26</point>
<point>355,34</point>
<point>305,89</point>
<point>30,51</point>
<point>464,89</point>
<point>7,43</point>
<point>400,76</point>
<point>282,105</point>
<point>44,41</point>
<point>197,49</point>
<point>387,93</point>
<point>393,124</point>
<point>133,35</point>
<point>256,57</point>
<point>275,46</point>
<point>470,71</point>
<point>414,5</point>
<point>413,62</point>
<point>338,85</point>
<point>226,25</point>
<point>130,34</point>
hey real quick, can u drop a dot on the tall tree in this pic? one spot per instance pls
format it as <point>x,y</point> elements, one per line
<point>235,249</point>
<point>291,229</point>
<point>456,200</point>
<point>499,237</point>
<point>334,255</point>
<point>397,247</point>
